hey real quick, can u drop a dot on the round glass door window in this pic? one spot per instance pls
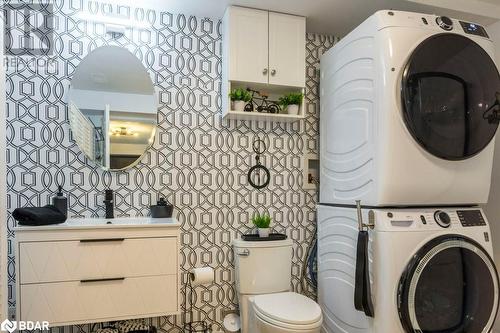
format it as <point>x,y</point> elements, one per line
<point>450,286</point>
<point>448,85</point>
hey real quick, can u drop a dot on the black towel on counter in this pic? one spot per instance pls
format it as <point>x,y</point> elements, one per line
<point>38,215</point>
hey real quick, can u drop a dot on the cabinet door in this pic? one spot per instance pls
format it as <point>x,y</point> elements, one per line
<point>287,60</point>
<point>248,45</point>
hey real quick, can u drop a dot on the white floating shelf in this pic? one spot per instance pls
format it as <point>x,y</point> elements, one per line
<point>283,117</point>
<point>273,91</point>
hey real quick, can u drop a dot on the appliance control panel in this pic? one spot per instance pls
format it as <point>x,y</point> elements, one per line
<point>420,219</point>
<point>473,29</point>
<point>471,218</point>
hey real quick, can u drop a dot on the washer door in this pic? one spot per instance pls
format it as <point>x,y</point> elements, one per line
<point>450,286</point>
<point>448,84</point>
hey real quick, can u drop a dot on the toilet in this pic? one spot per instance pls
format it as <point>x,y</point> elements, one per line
<point>263,275</point>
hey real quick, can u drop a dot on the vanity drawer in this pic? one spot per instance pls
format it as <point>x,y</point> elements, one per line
<point>74,301</point>
<point>58,261</point>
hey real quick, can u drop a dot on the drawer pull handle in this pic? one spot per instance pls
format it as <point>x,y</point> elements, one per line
<point>102,280</point>
<point>102,240</point>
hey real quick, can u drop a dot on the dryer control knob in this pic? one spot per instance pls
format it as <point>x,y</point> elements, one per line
<point>442,218</point>
<point>445,23</point>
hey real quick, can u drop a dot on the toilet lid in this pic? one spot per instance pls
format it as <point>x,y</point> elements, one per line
<point>290,308</point>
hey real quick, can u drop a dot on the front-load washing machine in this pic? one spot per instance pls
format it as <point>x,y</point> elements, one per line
<point>408,114</point>
<point>430,270</point>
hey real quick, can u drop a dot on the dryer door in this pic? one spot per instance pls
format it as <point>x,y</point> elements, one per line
<point>448,85</point>
<point>450,286</point>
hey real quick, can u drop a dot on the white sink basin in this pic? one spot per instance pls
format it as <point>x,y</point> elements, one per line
<point>119,222</point>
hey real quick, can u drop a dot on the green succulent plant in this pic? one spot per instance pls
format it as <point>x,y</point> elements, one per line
<point>291,99</point>
<point>261,221</point>
<point>240,94</point>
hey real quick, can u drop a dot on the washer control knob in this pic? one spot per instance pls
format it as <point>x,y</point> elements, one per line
<point>445,23</point>
<point>442,218</point>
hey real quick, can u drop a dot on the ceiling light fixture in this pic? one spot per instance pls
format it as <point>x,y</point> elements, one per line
<point>123,131</point>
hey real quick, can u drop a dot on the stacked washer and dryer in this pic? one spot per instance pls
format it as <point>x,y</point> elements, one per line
<point>409,108</point>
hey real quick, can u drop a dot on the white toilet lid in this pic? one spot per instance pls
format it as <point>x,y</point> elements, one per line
<point>290,308</point>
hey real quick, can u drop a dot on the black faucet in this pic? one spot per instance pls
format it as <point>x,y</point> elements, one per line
<point>109,203</point>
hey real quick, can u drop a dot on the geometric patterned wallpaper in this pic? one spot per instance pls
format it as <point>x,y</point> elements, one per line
<point>198,161</point>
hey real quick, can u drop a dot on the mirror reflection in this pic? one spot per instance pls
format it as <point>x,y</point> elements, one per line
<point>112,108</point>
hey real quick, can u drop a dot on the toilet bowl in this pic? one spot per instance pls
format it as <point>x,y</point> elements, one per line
<point>263,274</point>
<point>286,312</point>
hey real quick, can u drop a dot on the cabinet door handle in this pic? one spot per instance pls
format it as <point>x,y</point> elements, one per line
<point>102,280</point>
<point>102,240</point>
<point>264,71</point>
<point>273,72</point>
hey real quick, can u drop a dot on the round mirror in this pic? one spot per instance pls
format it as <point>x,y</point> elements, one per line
<point>112,108</point>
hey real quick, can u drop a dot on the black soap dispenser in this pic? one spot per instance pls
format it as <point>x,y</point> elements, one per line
<point>60,201</point>
<point>161,209</point>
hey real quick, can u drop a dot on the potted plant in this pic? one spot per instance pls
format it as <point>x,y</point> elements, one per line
<point>291,102</point>
<point>262,223</point>
<point>239,97</point>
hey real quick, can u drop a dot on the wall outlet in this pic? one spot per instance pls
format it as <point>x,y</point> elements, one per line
<point>12,313</point>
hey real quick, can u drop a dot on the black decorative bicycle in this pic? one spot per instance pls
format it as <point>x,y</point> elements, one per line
<point>260,103</point>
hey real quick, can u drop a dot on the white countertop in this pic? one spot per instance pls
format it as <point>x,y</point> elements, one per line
<point>101,223</point>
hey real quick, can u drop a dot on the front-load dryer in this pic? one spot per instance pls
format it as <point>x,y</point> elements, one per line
<point>431,270</point>
<point>407,112</point>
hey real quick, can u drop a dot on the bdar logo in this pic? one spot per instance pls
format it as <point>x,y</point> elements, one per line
<point>9,326</point>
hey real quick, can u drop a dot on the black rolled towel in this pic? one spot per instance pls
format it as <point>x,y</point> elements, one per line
<point>38,215</point>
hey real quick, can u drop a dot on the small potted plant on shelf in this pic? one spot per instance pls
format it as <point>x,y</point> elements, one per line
<point>239,97</point>
<point>262,223</point>
<point>291,102</point>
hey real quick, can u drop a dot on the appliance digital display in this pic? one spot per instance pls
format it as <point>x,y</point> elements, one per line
<point>473,29</point>
<point>471,218</point>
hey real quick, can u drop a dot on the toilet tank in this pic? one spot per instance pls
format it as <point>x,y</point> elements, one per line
<point>262,267</point>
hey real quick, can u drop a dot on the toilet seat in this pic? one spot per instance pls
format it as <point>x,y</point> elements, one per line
<point>288,310</point>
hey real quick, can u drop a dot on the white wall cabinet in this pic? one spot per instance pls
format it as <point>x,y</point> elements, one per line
<point>263,50</point>
<point>78,272</point>
<point>264,47</point>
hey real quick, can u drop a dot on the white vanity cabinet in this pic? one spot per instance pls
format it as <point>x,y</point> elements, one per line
<point>86,271</point>
<point>264,47</point>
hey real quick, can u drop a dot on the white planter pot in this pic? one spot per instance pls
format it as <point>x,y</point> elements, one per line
<point>263,232</point>
<point>239,105</point>
<point>293,109</point>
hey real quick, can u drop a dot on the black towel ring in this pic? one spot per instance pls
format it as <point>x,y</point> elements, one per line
<point>258,175</point>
